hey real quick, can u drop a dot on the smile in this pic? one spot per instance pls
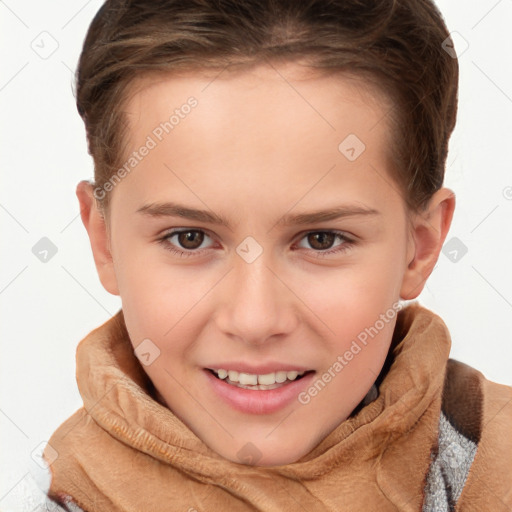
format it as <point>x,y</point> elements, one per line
<point>229,385</point>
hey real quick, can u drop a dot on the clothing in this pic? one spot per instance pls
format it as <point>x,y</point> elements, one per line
<point>125,451</point>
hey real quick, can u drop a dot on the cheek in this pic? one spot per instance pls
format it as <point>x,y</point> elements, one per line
<point>363,333</point>
<point>164,304</point>
<point>354,295</point>
<point>361,323</point>
<point>146,283</point>
<point>357,306</point>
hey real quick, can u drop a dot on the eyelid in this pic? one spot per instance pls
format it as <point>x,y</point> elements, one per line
<point>340,232</point>
<point>180,229</point>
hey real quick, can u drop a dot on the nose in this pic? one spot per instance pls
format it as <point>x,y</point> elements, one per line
<point>257,305</point>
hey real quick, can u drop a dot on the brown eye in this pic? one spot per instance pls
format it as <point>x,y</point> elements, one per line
<point>321,240</point>
<point>190,239</point>
<point>186,243</point>
<point>323,244</point>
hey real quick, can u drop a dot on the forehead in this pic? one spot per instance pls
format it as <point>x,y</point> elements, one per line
<point>268,126</point>
<point>295,78</point>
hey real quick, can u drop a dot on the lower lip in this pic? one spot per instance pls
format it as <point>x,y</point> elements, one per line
<point>259,401</point>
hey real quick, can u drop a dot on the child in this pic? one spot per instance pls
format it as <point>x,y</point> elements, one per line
<point>278,364</point>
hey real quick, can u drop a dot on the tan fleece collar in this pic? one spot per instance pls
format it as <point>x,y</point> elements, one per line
<point>125,451</point>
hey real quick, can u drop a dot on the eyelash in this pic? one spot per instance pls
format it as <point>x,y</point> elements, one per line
<point>348,243</point>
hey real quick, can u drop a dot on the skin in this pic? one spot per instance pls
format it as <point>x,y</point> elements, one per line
<point>255,148</point>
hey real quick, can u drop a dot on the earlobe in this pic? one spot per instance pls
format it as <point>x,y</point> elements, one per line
<point>96,227</point>
<point>428,233</point>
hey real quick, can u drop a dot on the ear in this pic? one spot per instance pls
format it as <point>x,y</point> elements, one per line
<point>427,234</point>
<point>99,236</point>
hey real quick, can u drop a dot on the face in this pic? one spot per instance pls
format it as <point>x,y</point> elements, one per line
<point>256,236</point>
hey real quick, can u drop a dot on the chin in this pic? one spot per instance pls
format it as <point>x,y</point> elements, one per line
<point>251,454</point>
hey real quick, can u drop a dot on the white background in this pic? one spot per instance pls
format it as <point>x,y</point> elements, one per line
<point>47,308</point>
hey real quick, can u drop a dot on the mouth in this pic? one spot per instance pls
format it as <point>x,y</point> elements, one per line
<point>258,394</point>
<point>263,382</point>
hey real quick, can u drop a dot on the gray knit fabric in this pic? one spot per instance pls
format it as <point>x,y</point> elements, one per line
<point>449,468</point>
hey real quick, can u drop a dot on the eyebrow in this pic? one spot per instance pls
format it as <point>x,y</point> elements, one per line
<point>170,209</point>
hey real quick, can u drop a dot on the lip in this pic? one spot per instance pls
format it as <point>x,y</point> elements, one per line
<point>252,401</point>
<point>262,369</point>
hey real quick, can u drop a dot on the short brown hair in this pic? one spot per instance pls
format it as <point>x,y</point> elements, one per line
<point>397,44</point>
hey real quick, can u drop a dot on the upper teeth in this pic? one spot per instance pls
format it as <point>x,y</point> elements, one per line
<point>248,379</point>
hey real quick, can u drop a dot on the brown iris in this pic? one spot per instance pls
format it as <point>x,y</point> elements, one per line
<point>190,239</point>
<point>321,241</point>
